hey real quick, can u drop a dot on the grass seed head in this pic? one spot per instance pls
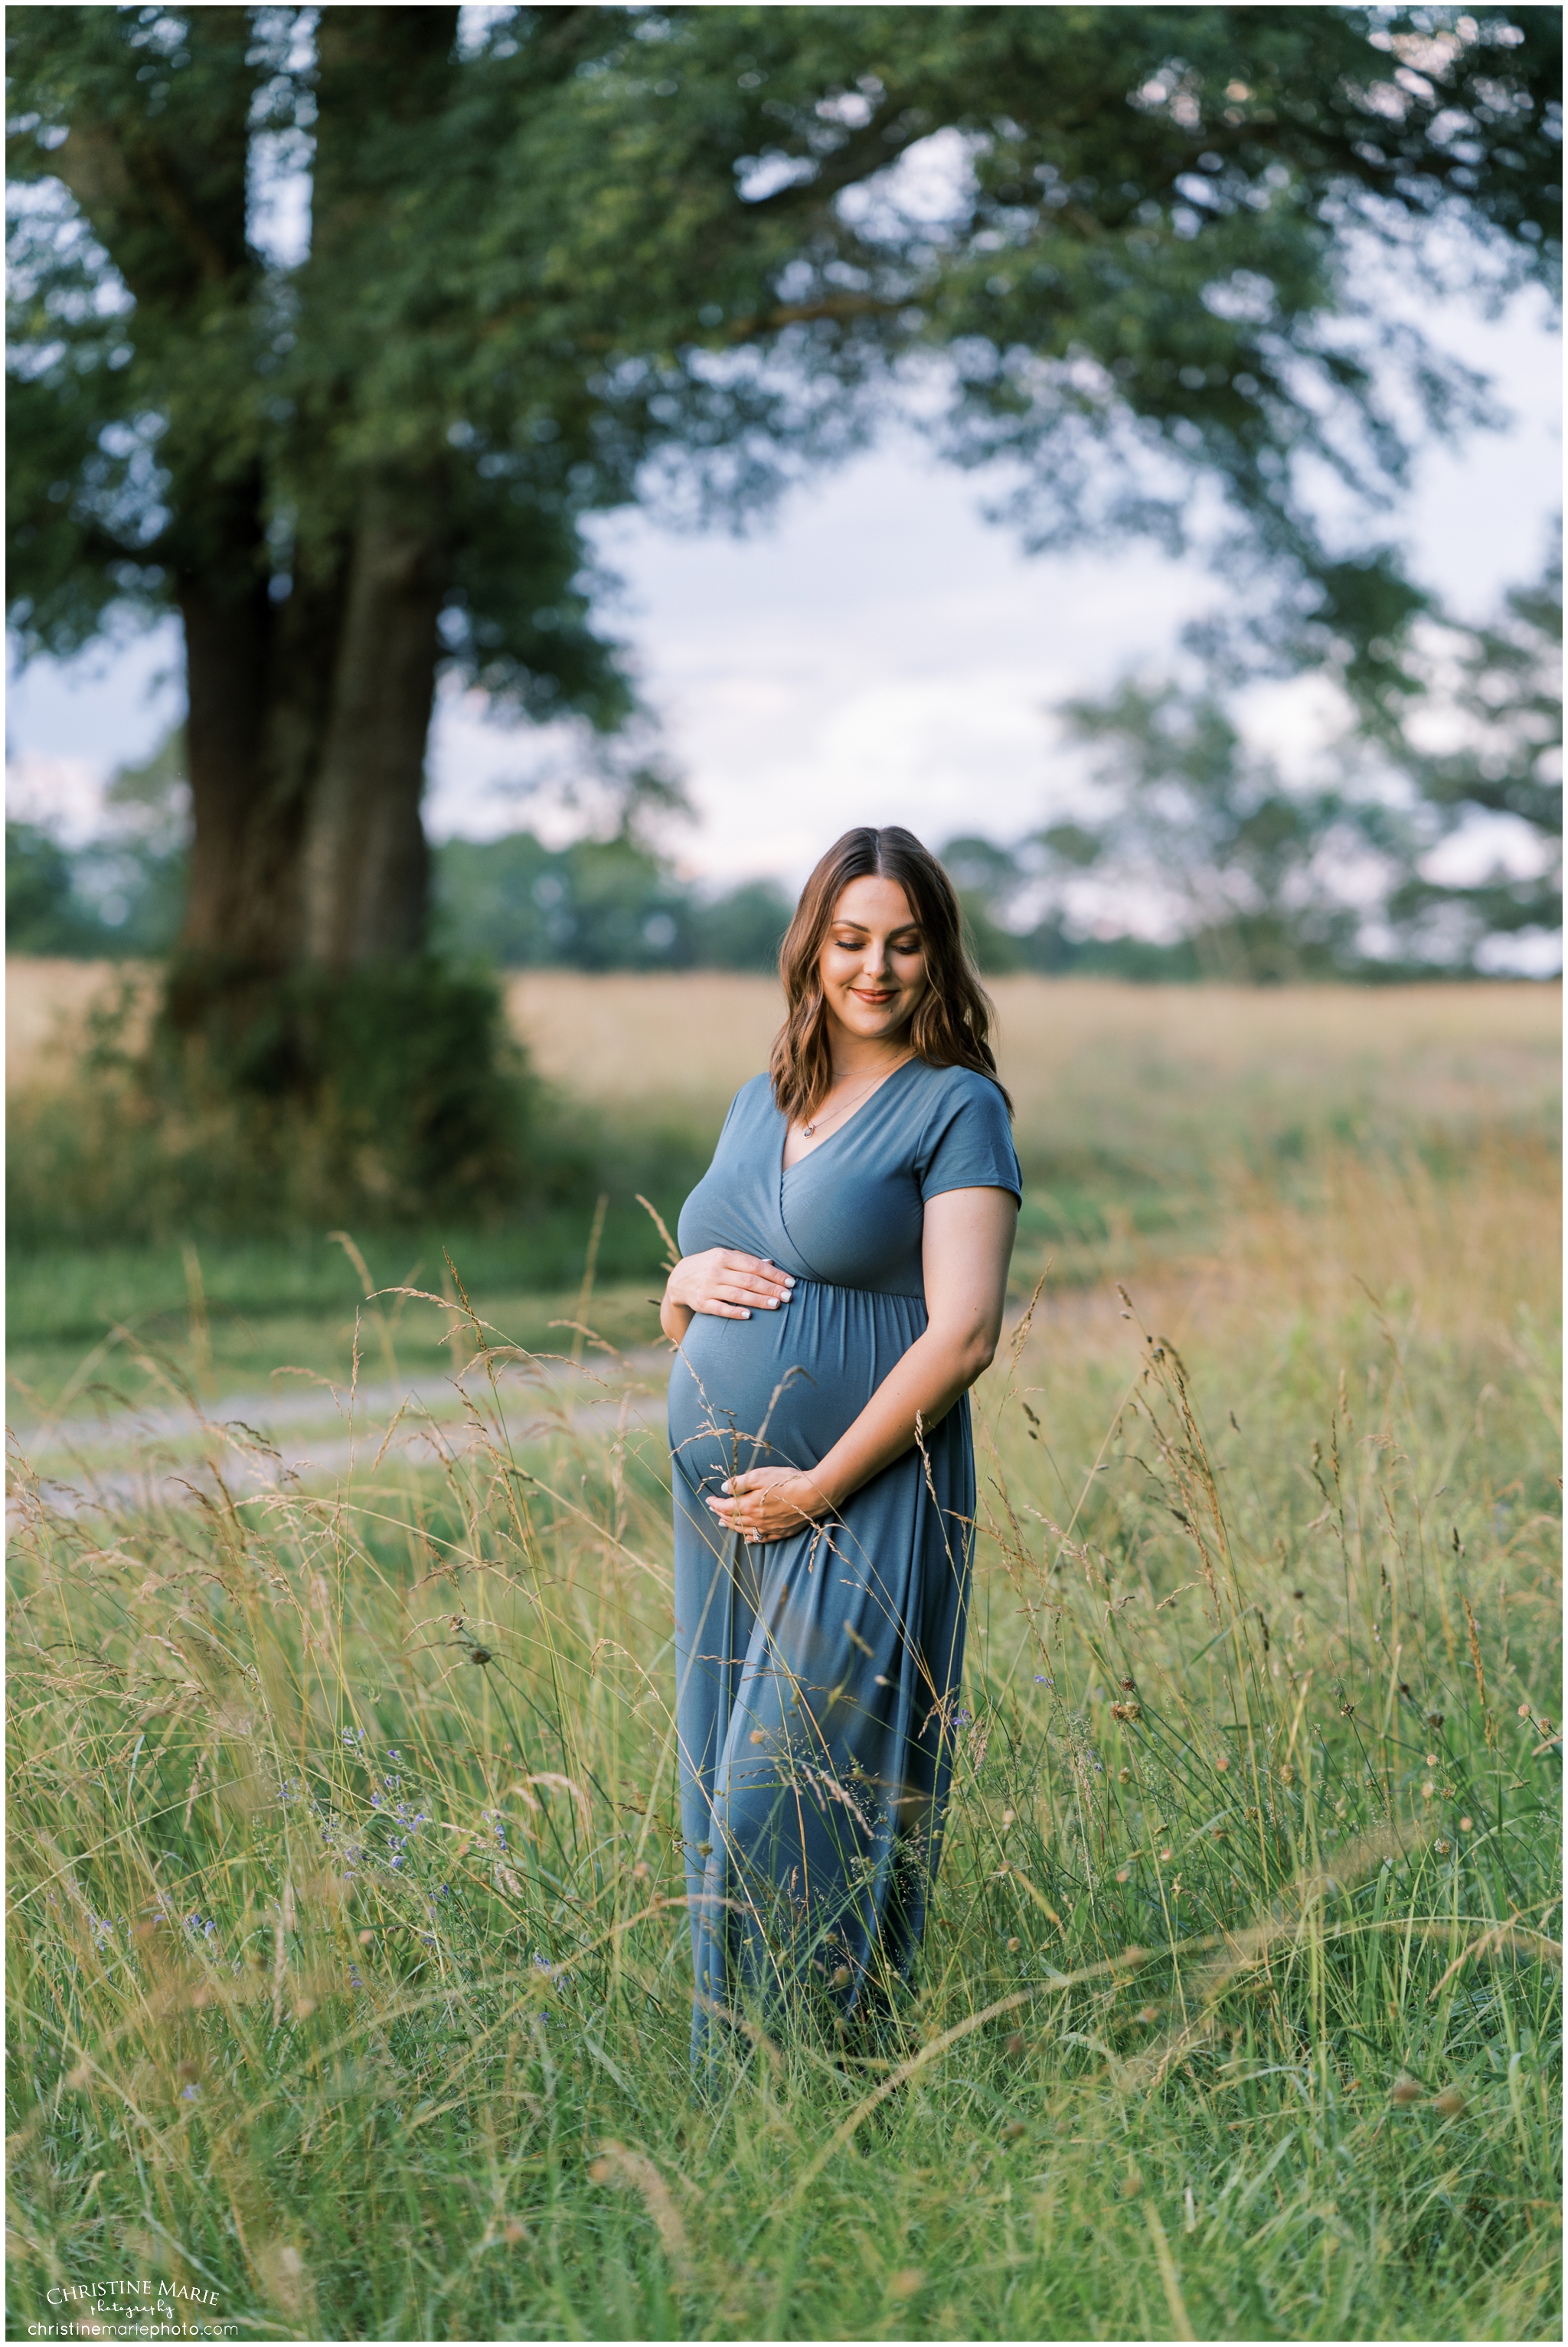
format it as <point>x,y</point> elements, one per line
<point>1450,2102</point>
<point>1405,2089</point>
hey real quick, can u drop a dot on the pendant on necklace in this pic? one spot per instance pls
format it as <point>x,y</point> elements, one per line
<point>807,1130</point>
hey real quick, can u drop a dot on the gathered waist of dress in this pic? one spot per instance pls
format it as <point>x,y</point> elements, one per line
<point>843,1288</point>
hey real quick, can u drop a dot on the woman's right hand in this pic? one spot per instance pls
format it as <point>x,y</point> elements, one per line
<point>727,1283</point>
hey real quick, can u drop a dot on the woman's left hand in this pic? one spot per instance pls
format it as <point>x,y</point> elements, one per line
<point>770,1503</point>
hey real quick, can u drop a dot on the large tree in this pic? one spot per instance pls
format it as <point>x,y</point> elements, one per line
<point>1487,741</point>
<point>583,248</point>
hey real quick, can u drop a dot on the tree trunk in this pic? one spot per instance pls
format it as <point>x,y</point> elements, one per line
<point>227,624</point>
<point>365,862</point>
<point>258,686</point>
<point>307,629</point>
<point>309,717</point>
<point>307,732</point>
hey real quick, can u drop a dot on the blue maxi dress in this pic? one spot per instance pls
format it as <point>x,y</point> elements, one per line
<point>817,1675</point>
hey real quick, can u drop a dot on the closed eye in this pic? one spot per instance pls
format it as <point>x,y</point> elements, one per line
<point>894,945</point>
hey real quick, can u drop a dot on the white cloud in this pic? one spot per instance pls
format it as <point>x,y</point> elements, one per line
<point>62,796</point>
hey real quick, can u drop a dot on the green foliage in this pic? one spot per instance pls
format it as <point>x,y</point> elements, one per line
<point>1496,691</point>
<point>742,928</point>
<point>560,259</point>
<point>1267,880</point>
<point>42,916</point>
<point>382,1098</point>
<point>576,242</point>
<point>597,904</point>
<point>1253,867</point>
<point>120,896</point>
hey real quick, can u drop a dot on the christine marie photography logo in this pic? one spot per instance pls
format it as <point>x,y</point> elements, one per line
<point>130,2308</point>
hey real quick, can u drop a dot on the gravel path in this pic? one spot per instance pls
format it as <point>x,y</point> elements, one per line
<point>310,1433</point>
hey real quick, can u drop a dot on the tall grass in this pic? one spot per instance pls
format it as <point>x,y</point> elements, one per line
<point>349,1974</point>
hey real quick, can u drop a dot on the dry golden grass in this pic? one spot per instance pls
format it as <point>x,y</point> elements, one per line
<point>1161,1080</point>
<point>697,1035</point>
<point>1071,1048</point>
<point>1468,1268</point>
<point>49,1001</point>
<point>683,1042</point>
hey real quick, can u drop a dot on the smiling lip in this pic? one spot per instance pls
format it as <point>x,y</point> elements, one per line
<point>861,995</point>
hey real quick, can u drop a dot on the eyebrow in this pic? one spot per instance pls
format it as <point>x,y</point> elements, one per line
<point>864,928</point>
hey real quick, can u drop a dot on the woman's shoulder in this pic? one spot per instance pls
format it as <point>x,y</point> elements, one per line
<point>959,1087</point>
<point>964,1138</point>
<point>754,1099</point>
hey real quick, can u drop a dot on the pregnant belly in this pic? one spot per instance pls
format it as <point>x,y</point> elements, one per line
<point>778,1390</point>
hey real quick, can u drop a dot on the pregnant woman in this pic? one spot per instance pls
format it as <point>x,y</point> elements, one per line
<point>840,1287</point>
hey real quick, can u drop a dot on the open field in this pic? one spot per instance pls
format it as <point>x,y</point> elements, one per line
<point>348,1975</point>
<point>1096,1068</point>
<point>1144,1116</point>
<point>1099,1070</point>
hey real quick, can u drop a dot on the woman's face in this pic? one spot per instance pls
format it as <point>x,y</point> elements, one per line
<point>872,963</point>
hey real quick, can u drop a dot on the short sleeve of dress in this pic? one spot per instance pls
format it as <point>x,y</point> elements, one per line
<point>968,1143</point>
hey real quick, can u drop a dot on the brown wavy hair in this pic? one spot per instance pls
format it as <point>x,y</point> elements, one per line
<point>952,1023</point>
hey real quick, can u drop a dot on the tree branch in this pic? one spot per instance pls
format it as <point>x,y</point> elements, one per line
<point>804,313</point>
<point>863,154</point>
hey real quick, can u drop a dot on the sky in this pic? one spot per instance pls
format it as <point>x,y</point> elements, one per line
<point>876,651</point>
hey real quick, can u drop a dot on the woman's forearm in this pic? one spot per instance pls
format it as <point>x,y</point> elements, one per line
<point>674,1319</point>
<point>925,1382</point>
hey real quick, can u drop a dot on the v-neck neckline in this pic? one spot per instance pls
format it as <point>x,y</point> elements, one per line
<point>869,1102</point>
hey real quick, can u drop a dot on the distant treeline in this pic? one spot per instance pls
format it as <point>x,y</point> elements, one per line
<point>595,904</point>
<point>598,904</point>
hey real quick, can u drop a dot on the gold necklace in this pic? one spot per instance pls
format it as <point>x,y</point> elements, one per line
<point>807,1130</point>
